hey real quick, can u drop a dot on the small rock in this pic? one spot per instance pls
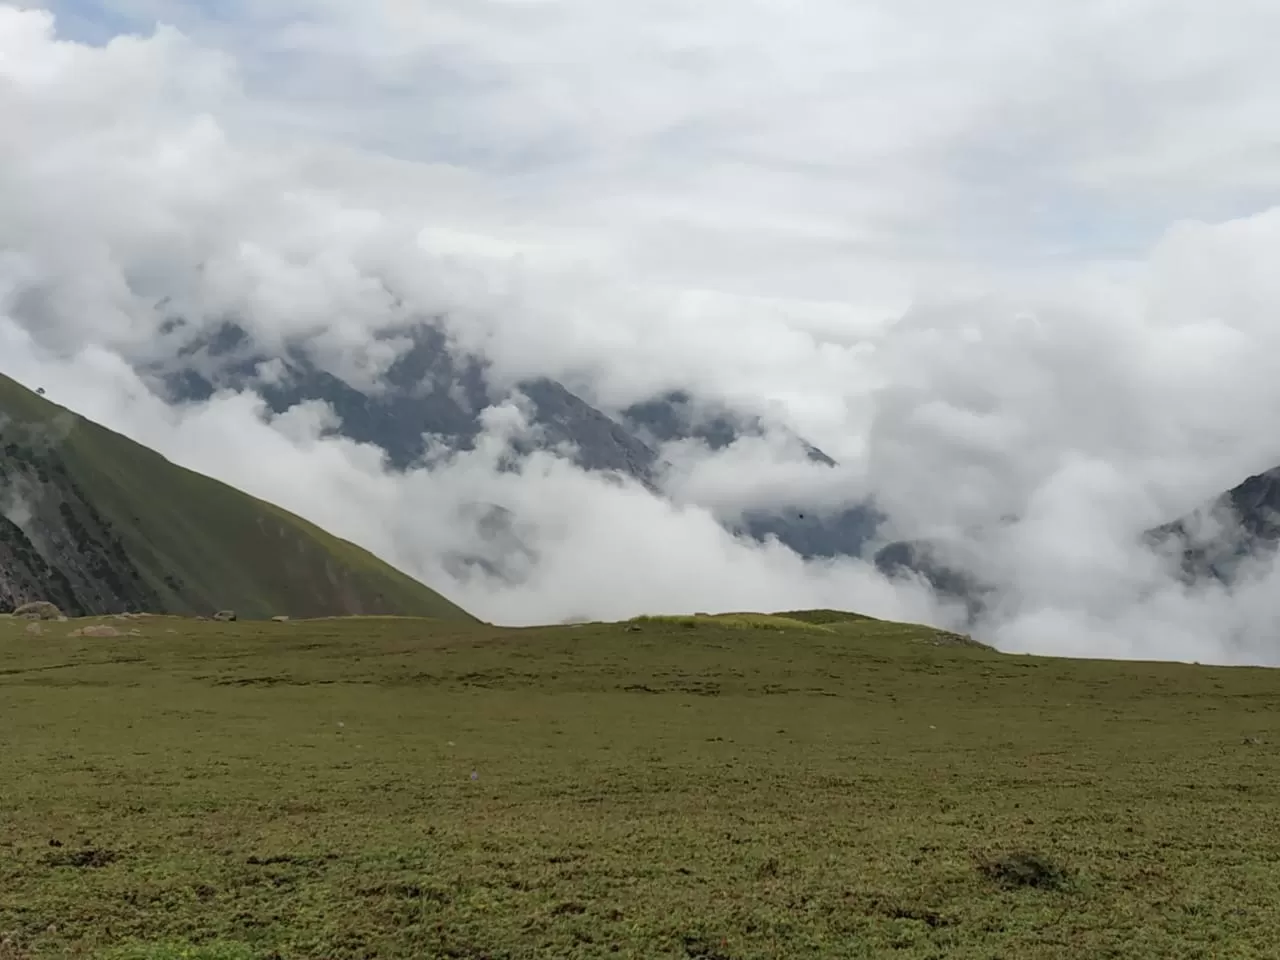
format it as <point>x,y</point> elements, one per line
<point>34,629</point>
<point>280,619</point>
<point>38,610</point>
<point>101,630</point>
<point>225,616</point>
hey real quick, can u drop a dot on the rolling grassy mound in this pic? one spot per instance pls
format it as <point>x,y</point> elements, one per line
<point>825,616</point>
<point>399,788</point>
<point>736,621</point>
<point>814,621</point>
<point>97,523</point>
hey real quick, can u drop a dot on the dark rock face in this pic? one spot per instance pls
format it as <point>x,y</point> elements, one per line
<point>816,533</point>
<point>429,391</point>
<point>433,391</point>
<point>599,442</point>
<point>53,544</point>
<point>809,531</point>
<point>1222,542</point>
<point>929,562</point>
<point>677,416</point>
<point>1217,541</point>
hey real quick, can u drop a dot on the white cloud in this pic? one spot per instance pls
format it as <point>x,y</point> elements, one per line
<point>757,472</point>
<point>953,247</point>
<point>603,549</point>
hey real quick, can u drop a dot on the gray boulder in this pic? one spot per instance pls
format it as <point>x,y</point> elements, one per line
<point>38,610</point>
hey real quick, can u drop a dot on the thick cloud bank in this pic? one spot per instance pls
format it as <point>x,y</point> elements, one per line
<point>1009,331</point>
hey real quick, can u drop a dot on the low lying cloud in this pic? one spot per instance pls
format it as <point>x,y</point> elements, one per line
<point>873,294</point>
<point>597,546</point>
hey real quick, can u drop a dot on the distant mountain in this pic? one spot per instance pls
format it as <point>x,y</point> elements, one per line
<point>677,415</point>
<point>1217,540</point>
<point>429,391</point>
<point>96,523</point>
<point>432,393</point>
<point>809,530</point>
<point>935,564</point>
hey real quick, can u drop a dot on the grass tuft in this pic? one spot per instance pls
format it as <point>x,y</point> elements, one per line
<point>180,951</point>
<point>734,621</point>
<point>824,616</point>
<point>1026,869</point>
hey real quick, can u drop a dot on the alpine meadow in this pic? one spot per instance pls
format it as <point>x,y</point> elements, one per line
<point>801,786</point>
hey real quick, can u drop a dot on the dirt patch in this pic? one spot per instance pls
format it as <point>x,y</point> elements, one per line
<point>86,858</point>
<point>293,859</point>
<point>1023,869</point>
<point>930,918</point>
<point>97,630</point>
<point>708,948</point>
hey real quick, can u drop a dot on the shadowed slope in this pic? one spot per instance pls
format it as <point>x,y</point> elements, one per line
<point>101,524</point>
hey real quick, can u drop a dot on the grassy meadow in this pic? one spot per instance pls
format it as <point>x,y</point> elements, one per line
<point>742,787</point>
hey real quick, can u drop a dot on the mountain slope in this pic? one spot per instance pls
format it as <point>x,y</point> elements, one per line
<point>433,390</point>
<point>1228,539</point>
<point>427,391</point>
<point>1217,541</point>
<point>100,524</point>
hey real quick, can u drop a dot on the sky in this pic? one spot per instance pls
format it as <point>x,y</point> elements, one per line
<point>1010,264</point>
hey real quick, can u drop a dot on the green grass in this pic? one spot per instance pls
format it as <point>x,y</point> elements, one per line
<point>734,621</point>
<point>825,616</point>
<point>260,790</point>
<point>182,951</point>
<point>221,547</point>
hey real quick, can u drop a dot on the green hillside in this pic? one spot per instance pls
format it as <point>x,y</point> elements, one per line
<point>741,788</point>
<point>104,525</point>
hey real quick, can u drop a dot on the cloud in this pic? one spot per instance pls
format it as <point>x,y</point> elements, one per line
<point>757,472</point>
<point>1009,265</point>
<point>603,548</point>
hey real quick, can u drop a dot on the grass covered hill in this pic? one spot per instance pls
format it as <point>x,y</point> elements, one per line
<point>743,787</point>
<point>96,523</point>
